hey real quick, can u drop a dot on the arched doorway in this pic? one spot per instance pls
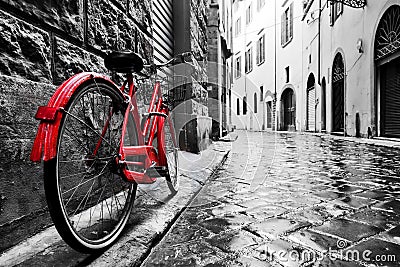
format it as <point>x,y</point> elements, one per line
<point>387,58</point>
<point>288,107</point>
<point>323,104</point>
<point>338,94</point>
<point>311,103</point>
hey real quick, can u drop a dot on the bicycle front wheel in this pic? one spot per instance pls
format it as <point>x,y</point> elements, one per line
<point>171,154</point>
<point>88,199</point>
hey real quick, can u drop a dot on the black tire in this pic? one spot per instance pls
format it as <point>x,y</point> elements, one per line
<point>89,201</point>
<point>171,152</point>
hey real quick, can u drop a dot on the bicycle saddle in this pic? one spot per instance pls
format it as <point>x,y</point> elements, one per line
<point>123,62</point>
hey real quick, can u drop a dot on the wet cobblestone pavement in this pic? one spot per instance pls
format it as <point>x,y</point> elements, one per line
<point>286,199</point>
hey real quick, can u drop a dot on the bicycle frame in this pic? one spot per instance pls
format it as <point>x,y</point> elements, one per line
<point>152,127</point>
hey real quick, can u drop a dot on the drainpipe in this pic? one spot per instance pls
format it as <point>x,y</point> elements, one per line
<point>219,72</point>
<point>344,103</point>
<point>275,83</point>
<point>319,41</point>
<point>319,61</point>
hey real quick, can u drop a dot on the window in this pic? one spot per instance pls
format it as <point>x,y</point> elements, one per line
<point>238,67</point>
<point>244,106</point>
<point>238,26</point>
<point>236,5</point>
<point>261,50</point>
<point>260,4</point>
<point>261,93</point>
<point>336,11</point>
<point>238,106</point>
<point>287,74</point>
<point>249,14</point>
<point>255,102</point>
<point>248,65</point>
<point>287,26</point>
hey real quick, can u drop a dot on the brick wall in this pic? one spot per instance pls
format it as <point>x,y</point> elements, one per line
<point>42,42</point>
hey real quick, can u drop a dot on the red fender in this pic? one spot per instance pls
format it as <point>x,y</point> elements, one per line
<point>45,144</point>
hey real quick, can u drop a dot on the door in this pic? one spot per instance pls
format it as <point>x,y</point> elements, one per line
<point>390,100</point>
<point>387,58</point>
<point>323,105</point>
<point>269,114</point>
<point>338,94</point>
<point>288,110</point>
<point>311,109</point>
<point>311,103</point>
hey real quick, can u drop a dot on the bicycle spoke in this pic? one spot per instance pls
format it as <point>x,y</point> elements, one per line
<point>77,139</point>
<point>93,178</point>
<point>80,160</point>
<point>84,123</point>
<point>87,194</point>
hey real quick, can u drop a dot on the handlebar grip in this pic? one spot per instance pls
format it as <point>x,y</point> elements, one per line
<point>186,54</point>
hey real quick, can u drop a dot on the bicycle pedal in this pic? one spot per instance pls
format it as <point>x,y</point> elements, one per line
<point>158,171</point>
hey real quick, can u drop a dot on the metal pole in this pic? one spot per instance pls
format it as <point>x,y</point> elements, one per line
<point>275,64</point>
<point>219,85</point>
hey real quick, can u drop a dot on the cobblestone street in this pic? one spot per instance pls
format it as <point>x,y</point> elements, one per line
<point>292,200</point>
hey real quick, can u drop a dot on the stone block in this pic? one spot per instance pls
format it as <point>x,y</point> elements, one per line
<point>70,59</point>
<point>140,11</point>
<point>110,29</point>
<point>24,50</point>
<point>192,130</point>
<point>21,182</point>
<point>107,29</point>
<point>65,15</point>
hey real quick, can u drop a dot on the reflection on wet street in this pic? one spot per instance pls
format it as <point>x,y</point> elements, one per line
<point>287,199</point>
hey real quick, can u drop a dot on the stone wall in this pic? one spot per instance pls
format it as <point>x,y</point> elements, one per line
<point>190,34</point>
<point>218,53</point>
<point>42,43</point>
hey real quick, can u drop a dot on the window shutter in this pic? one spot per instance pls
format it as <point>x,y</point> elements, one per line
<point>283,29</point>
<point>291,22</point>
<point>263,48</point>
<point>163,39</point>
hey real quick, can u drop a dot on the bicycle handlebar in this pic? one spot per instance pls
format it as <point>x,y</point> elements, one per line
<point>172,61</point>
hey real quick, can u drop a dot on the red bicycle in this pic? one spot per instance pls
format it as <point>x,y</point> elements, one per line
<point>95,152</point>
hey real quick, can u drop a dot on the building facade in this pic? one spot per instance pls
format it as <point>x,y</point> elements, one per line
<point>356,68</point>
<point>219,53</point>
<point>332,66</point>
<point>254,57</point>
<point>191,111</point>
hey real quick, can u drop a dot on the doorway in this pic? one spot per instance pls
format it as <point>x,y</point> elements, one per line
<point>288,104</point>
<point>338,94</point>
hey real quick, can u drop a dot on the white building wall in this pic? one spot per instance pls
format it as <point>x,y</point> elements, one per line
<point>353,25</point>
<point>263,23</point>
<point>290,56</point>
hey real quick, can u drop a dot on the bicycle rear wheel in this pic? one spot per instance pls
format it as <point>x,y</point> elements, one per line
<point>88,198</point>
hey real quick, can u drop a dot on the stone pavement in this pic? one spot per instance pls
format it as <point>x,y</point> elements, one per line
<point>288,199</point>
<point>154,212</point>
